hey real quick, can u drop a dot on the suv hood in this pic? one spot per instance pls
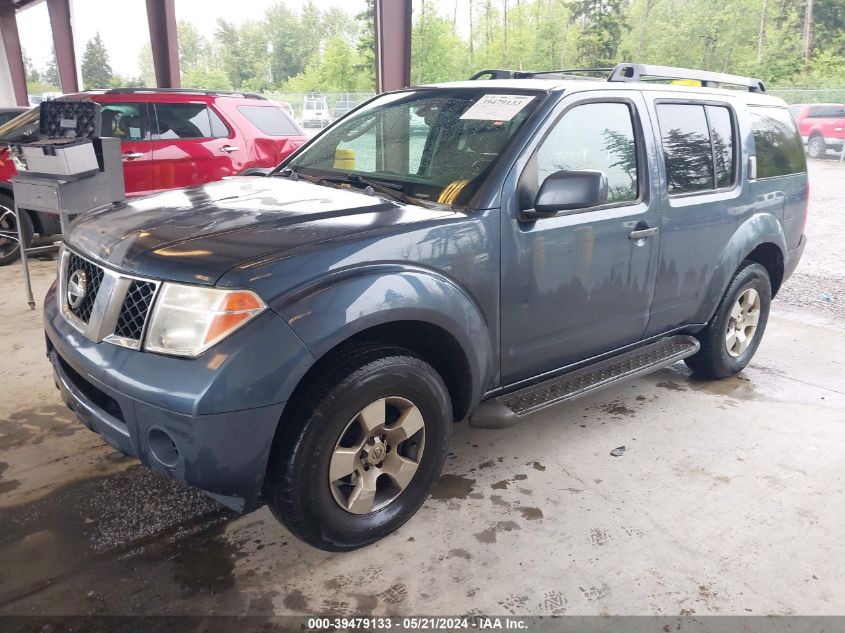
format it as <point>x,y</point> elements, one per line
<point>196,235</point>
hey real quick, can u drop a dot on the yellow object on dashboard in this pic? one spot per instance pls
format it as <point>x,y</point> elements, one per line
<point>448,195</point>
<point>344,159</point>
<point>686,82</point>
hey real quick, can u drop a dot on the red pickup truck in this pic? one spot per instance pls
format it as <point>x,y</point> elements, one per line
<point>170,138</point>
<point>822,126</point>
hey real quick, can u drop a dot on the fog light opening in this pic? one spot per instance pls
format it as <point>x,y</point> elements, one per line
<point>163,448</point>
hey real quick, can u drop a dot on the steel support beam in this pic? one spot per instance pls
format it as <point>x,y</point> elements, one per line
<point>12,48</point>
<point>60,23</point>
<point>161,14</point>
<point>393,44</point>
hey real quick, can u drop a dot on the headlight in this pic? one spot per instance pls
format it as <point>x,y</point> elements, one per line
<point>187,320</point>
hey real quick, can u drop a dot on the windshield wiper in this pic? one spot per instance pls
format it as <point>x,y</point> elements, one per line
<point>391,191</point>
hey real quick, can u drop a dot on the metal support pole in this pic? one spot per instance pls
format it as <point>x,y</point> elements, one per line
<point>14,55</point>
<point>392,44</point>
<point>161,15</point>
<point>60,24</point>
<point>27,284</point>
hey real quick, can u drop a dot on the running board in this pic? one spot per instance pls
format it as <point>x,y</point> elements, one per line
<point>511,408</point>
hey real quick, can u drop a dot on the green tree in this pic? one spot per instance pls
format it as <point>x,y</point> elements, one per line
<point>96,70</point>
<point>366,42</point>
<point>146,69</point>
<point>193,47</point>
<point>438,54</point>
<point>209,79</point>
<point>50,74</point>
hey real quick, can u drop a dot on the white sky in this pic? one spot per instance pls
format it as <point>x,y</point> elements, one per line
<point>123,26</point>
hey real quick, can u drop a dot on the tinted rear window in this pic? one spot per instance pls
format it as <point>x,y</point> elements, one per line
<point>271,120</point>
<point>827,111</point>
<point>686,147</point>
<point>779,148</point>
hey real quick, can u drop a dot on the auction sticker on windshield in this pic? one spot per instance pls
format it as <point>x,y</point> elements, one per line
<point>497,107</point>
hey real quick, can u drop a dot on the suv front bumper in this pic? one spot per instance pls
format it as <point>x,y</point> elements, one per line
<point>212,429</point>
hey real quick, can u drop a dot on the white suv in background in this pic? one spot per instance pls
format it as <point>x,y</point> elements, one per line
<point>315,111</point>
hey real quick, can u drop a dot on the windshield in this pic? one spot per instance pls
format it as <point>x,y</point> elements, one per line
<point>21,129</point>
<point>433,145</point>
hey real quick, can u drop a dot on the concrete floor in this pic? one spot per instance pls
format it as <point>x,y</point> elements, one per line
<point>728,500</point>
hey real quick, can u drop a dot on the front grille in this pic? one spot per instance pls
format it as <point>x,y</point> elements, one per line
<point>93,276</point>
<point>136,306</point>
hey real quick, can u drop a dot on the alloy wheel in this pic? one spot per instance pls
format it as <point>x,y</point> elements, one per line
<point>816,148</point>
<point>377,455</point>
<point>742,324</point>
<point>8,231</point>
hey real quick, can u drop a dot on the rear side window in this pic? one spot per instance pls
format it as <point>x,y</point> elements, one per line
<point>722,135</point>
<point>827,112</point>
<point>596,136</point>
<point>270,120</point>
<point>778,146</point>
<point>187,120</point>
<point>123,121</point>
<point>699,147</point>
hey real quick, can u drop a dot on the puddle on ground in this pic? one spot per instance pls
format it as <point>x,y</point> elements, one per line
<point>489,535</point>
<point>115,535</point>
<point>7,485</point>
<point>33,426</point>
<point>738,387</point>
<point>452,487</point>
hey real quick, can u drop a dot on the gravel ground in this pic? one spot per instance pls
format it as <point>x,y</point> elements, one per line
<point>821,272</point>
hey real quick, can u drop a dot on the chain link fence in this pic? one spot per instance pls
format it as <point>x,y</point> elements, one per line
<point>296,99</point>
<point>809,95</point>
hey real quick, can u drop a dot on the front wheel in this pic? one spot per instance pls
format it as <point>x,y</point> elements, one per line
<point>361,450</point>
<point>10,248</point>
<point>734,333</point>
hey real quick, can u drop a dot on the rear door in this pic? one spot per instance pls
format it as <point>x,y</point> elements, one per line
<point>129,121</point>
<point>273,134</point>
<point>192,145</point>
<point>702,201</point>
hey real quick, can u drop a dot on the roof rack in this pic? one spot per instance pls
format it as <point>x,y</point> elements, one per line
<point>568,73</point>
<point>636,72</point>
<point>209,93</point>
<point>633,72</point>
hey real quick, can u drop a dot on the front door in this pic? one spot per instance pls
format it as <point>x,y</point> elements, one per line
<point>579,284</point>
<point>129,122</point>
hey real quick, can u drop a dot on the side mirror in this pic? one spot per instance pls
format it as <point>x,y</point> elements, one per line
<point>568,191</point>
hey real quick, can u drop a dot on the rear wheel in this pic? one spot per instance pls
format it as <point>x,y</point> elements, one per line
<point>361,450</point>
<point>734,333</point>
<point>816,147</point>
<point>9,247</point>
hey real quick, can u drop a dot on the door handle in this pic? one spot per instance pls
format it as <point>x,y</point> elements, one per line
<point>132,155</point>
<point>641,234</point>
<point>229,148</point>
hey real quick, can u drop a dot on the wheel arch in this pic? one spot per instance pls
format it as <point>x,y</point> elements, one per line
<point>404,306</point>
<point>431,343</point>
<point>761,239</point>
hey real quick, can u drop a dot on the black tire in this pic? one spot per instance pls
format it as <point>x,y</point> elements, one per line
<point>713,360</point>
<point>816,147</point>
<point>10,249</point>
<point>297,487</point>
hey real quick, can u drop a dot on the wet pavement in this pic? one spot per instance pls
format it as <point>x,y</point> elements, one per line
<point>728,498</point>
